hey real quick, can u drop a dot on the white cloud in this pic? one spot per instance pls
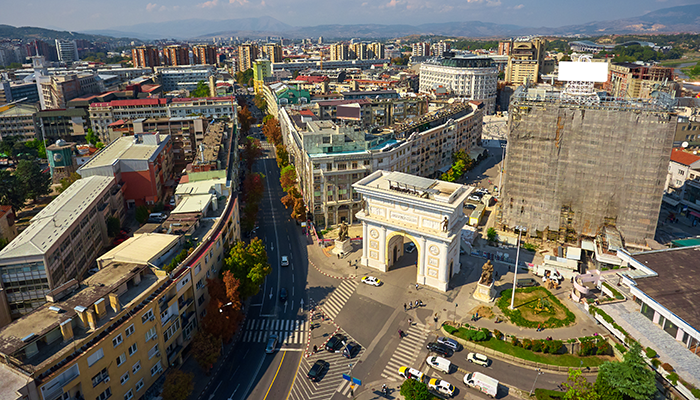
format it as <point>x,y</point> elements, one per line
<point>240,2</point>
<point>151,6</point>
<point>263,4</point>
<point>208,4</point>
<point>519,6</point>
<point>162,8</point>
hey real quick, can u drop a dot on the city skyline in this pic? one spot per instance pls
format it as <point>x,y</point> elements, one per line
<point>80,15</point>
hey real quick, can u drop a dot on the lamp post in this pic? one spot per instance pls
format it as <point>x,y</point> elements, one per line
<point>455,313</point>
<point>225,305</point>
<point>352,384</point>
<point>539,372</point>
<point>515,273</point>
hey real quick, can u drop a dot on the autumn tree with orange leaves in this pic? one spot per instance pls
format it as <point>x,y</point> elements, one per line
<point>245,118</point>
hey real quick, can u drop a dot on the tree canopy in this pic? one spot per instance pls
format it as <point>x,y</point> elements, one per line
<point>178,385</point>
<point>248,264</point>
<point>35,183</point>
<point>630,379</point>
<point>202,90</point>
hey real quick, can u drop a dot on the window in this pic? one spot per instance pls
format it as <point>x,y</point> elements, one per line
<point>137,367</point>
<point>117,340</point>
<point>124,378</point>
<point>104,395</point>
<point>121,359</point>
<point>139,385</point>
<point>681,172</point>
<point>151,334</point>
<point>130,330</point>
<point>99,377</point>
<point>171,330</point>
<point>147,316</point>
<point>153,351</point>
<point>200,284</point>
<point>95,357</point>
<point>132,349</point>
<point>197,268</point>
<point>156,369</point>
<point>129,395</point>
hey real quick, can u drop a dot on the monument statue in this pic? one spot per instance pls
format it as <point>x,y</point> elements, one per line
<point>445,222</point>
<point>486,273</point>
<point>343,233</point>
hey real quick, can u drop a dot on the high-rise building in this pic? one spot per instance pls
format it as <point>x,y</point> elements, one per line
<point>578,163</point>
<point>176,55</point>
<point>272,51</point>
<point>339,52</point>
<point>204,54</point>
<point>441,48</point>
<point>247,54</point>
<point>262,71</point>
<point>357,51</point>
<point>420,49</point>
<point>504,47</point>
<point>525,60</point>
<point>145,56</point>
<point>320,40</point>
<point>375,50</point>
<point>67,50</point>
<point>473,78</point>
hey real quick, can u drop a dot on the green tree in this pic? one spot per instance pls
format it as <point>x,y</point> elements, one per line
<point>38,145</point>
<point>578,387</point>
<point>11,191</point>
<point>202,90</point>
<point>245,78</point>
<point>113,226</point>
<point>249,265</point>
<point>35,182</point>
<point>3,242</point>
<point>178,385</point>
<point>91,137</point>
<point>630,379</point>
<point>141,214</point>
<point>491,234</point>
<point>66,182</point>
<point>282,156</point>
<point>413,390</point>
<point>288,177</point>
<point>260,102</point>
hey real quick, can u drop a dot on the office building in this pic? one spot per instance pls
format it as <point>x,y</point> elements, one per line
<point>18,120</point>
<point>23,91</point>
<point>67,51</point>
<point>272,51</point>
<point>144,162</point>
<point>472,78</point>
<point>525,60</point>
<point>176,55</point>
<point>247,54</point>
<point>61,243</point>
<point>145,57</point>
<point>204,54</point>
<point>183,77</point>
<point>68,123</point>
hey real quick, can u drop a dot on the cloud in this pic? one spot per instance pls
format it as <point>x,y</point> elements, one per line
<point>162,8</point>
<point>519,6</point>
<point>262,3</point>
<point>151,6</point>
<point>176,8</point>
<point>240,2</point>
<point>208,4</point>
<point>393,3</point>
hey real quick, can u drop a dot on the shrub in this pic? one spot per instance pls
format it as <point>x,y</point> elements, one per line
<point>497,334</point>
<point>622,349</point>
<point>667,367</point>
<point>673,377</point>
<point>527,344</point>
<point>655,362</point>
<point>614,291</point>
<point>516,317</point>
<point>603,347</point>
<point>515,342</point>
<point>537,345</point>
<point>695,391</point>
<point>651,353</point>
<point>553,346</point>
<point>529,246</point>
<point>544,394</point>
<point>450,329</point>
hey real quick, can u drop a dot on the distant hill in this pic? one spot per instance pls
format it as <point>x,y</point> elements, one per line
<point>32,33</point>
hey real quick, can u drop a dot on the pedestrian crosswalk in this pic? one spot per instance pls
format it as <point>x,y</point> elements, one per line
<point>288,331</point>
<point>331,381</point>
<point>407,350</point>
<point>335,302</point>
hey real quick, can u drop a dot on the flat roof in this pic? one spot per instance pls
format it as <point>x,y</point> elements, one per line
<point>56,218</point>
<point>141,248</point>
<point>403,184</point>
<point>676,285</point>
<point>124,149</point>
<point>193,204</point>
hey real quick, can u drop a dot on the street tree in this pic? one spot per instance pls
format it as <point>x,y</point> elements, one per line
<point>91,137</point>
<point>260,102</point>
<point>251,152</point>
<point>271,130</point>
<point>299,212</point>
<point>202,90</point>
<point>578,387</point>
<point>38,145</point>
<point>233,293</point>
<point>35,182</point>
<point>414,390</point>
<point>282,156</point>
<point>206,349</point>
<point>222,320</point>
<point>288,177</point>
<point>141,214</point>
<point>249,216</point>
<point>630,379</point>
<point>67,181</point>
<point>289,200</point>
<point>491,234</point>
<point>11,190</point>
<point>249,265</point>
<point>245,118</point>
<point>253,188</point>
<point>178,385</point>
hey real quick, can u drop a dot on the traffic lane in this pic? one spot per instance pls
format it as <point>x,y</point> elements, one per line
<point>456,378</point>
<point>275,381</point>
<point>238,372</point>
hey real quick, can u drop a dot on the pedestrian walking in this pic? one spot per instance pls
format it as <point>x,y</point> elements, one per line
<point>416,286</point>
<point>410,321</point>
<point>404,307</point>
<point>315,349</point>
<point>410,305</point>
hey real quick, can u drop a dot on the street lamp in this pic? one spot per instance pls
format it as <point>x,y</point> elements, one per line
<point>352,384</point>
<point>539,372</point>
<point>225,305</point>
<point>455,313</point>
<point>517,258</point>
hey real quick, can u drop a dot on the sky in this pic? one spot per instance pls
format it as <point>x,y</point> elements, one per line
<point>79,15</point>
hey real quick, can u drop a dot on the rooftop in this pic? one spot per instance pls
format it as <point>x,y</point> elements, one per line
<point>125,148</point>
<point>142,249</point>
<point>209,150</point>
<point>415,186</point>
<point>51,222</point>
<point>677,283</point>
<point>681,156</point>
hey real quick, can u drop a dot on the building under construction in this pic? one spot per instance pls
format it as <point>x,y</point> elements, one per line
<point>577,164</point>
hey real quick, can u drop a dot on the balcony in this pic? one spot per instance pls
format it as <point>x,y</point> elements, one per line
<point>173,354</point>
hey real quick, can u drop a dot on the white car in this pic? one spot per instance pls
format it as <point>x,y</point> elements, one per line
<point>284,262</point>
<point>474,198</point>
<point>478,359</point>
<point>410,373</point>
<point>371,280</point>
<point>441,386</point>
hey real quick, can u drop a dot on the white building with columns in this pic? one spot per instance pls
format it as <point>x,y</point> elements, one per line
<point>400,207</point>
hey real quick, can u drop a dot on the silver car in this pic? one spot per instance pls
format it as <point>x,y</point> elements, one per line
<point>271,344</point>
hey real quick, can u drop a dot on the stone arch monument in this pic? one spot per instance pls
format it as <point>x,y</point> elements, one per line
<point>426,211</point>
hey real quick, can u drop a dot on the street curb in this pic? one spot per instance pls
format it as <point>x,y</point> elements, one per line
<point>307,354</point>
<point>329,275</point>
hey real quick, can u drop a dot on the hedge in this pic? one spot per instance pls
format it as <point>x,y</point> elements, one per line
<point>651,353</point>
<point>517,319</point>
<point>614,291</point>
<point>695,391</point>
<point>595,310</point>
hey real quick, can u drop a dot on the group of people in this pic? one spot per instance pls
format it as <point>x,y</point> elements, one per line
<point>419,303</point>
<point>475,317</point>
<point>539,328</point>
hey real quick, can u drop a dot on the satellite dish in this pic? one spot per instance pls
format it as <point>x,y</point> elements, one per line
<point>684,145</point>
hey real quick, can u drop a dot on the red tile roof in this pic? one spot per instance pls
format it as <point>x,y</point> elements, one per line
<point>313,79</point>
<point>138,102</point>
<point>683,157</point>
<point>117,123</point>
<point>306,112</point>
<point>5,210</point>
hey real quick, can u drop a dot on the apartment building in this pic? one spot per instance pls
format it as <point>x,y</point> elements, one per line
<point>145,56</point>
<point>67,50</point>
<point>525,60</point>
<point>420,49</point>
<point>18,120</point>
<point>369,112</point>
<point>273,52</point>
<point>57,90</point>
<point>358,51</point>
<point>262,72</point>
<point>143,163</point>
<point>339,52</point>
<point>176,55</point>
<point>440,48</point>
<point>472,78</point>
<point>247,53</point>
<point>61,243</point>
<point>629,80</point>
<point>329,158</point>
<point>183,78</point>
<point>204,54</point>
<point>376,50</point>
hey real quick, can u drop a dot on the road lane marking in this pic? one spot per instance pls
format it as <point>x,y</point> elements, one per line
<point>275,377</point>
<point>296,373</point>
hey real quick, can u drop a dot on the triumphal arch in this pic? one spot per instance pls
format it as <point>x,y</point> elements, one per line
<point>428,212</point>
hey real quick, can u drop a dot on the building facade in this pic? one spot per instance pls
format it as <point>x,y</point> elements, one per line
<point>525,60</point>
<point>183,78</point>
<point>472,78</point>
<point>247,53</point>
<point>204,54</point>
<point>629,80</point>
<point>339,52</point>
<point>18,120</point>
<point>273,52</point>
<point>67,50</point>
<point>145,57</point>
<point>420,49</point>
<point>8,228</point>
<point>176,56</point>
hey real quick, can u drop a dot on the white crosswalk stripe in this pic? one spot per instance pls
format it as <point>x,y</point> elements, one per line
<point>290,331</point>
<point>407,350</point>
<point>335,302</point>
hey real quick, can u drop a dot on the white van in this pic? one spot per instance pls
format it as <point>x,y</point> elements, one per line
<point>483,383</point>
<point>439,363</point>
<point>160,217</point>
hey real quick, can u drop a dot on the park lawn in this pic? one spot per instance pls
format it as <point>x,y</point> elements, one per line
<point>564,360</point>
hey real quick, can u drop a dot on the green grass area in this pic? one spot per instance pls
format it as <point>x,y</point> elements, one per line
<point>690,58</point>
<point>535,306</point>
<point>564,360</point>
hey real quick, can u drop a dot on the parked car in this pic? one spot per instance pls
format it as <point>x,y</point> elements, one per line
<point>351,350</point>
<point>335,343</point>
<point>451,343</point>
<point>157,217</point>
<point>527,282</point>
<point>440,349</point>
<point>371,280</point>
<point>410,373</point>
<point>285,261</point>
<point>317,370</point>
<point>442,387</point>
<point>271,343</point>
<point>478,359</point>
<point>474,197</point>
<point>439,363</point>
